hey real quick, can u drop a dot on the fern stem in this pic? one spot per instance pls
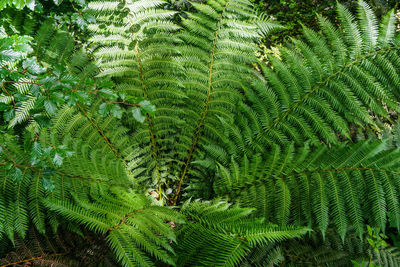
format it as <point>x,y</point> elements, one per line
<point>9,154</point>
<point>123,220</point>
<point>100,131</point>
<point>152,135</point>
<point>5,90</point>
<point>198,130</point>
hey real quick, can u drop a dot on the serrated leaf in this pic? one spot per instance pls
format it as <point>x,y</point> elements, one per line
<point>137,114</point>
<point>117,111</point>
<point>9,115</point>
<point>103,109</point>
<point>105,84</point>
<point>50,107</point>
<point>33,66</point>
<point>147,107</point>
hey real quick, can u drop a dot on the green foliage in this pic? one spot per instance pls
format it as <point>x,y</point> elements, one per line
<point>324,86</point>
<point>59,249</point>
<point>132,227</point>
<point>36,81</point>
<point>293,14</point>
<point>340,186</point>
<point>164,106</point>
<point>217,235</point>
<point>330,250</point>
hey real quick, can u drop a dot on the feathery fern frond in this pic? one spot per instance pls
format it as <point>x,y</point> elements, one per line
<point>330,250</point>
<point>342,186</point>
<point>219,42</point>
<point>218,235</point>
<point>63,248</point>
<point>135,230</point>
<point>322,86</point>
<point>136,49</point>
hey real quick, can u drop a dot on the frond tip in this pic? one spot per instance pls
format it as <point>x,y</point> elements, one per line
<point>218,235</point>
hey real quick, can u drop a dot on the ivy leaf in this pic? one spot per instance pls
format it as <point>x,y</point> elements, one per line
<point>57,97</point>
<point>137,114</point>
<point>4,73</point>
<point>79,20</point>
<point>58,159</point>
<point>147,107</point>
<point>80,2</point>
<point>105,84</point>
<point>89,18</point>
<point>50,107</point>
<point>35,90</point>
<point>20,97</point>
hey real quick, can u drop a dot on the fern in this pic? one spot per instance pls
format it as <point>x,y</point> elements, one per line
<point>136,50</point>
<point>61,249</point>
<point>331,251</point>
<point>217,235</point>
<point>133,230</point>
<point>341,186</point>
<point>279,144</point>
<point>322,87</point>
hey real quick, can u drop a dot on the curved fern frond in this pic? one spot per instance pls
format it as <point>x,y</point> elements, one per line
<point>323,86</point>
<point>64,248</point>
<point>135,231</point>
<point>331,250</point>
<point>341,186</point>
<point>136,50</point>
<point>217,235</point>
<point>219,41</point>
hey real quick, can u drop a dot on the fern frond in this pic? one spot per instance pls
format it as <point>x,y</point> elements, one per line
<point>135,231</point>
<point>218,235</point>
<point>343,186</point>
<point>323,86</point>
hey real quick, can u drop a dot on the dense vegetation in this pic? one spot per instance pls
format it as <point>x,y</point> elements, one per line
<point>150,133</point>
